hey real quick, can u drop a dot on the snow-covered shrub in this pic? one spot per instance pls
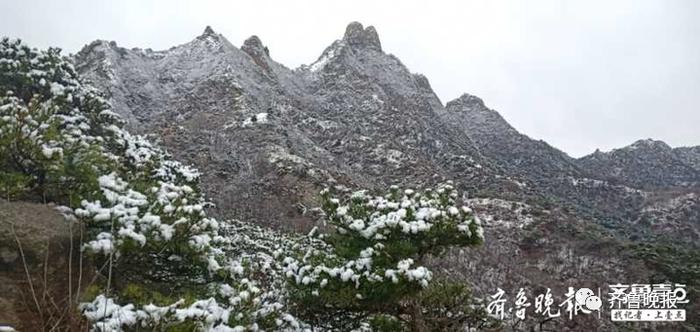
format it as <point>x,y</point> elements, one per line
<point>374,268</point>
<point>51,127</point>
<point>161,261</point>
<point>59,137</point>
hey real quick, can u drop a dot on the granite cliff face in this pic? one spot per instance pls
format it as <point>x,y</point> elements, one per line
<point>267,138</point>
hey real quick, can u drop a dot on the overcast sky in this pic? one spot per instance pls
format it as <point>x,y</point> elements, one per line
<point>580,75</point>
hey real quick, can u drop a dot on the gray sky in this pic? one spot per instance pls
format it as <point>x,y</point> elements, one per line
<point>579,74</point>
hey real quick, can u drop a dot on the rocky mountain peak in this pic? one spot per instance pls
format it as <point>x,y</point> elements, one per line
<point>466,102</point>
<point>649,144</point>
<point>99,46</point>
<point>597,154</point>
<point>254,47</point>
<point>646,164</point>
<point>422,82</point>
<point>534,160</point>
<point>643,147</point>
<point>363,38</point>
<point>208,31</point>
<point>209,37</point>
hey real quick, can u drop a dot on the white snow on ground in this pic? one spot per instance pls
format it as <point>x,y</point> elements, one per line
<point>255,119</point>
<point>325,58</point>
<point>593,183</point>
<point>520,218</point>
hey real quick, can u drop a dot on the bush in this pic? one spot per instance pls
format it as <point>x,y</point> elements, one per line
<point>160,260</point>
<point>371,267</point>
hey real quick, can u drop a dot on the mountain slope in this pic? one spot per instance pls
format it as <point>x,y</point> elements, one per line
<point>690,155</point>
<point>266,135</point>
<point>498,140</point>
<point>550,173</point>
<point>356,117</point>
<point>647,164</point>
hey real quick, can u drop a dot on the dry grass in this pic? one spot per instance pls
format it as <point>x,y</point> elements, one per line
<point>43,284</point>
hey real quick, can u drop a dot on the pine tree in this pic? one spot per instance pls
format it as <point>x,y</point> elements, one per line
<point>161,262</point>
<point>371,267</point>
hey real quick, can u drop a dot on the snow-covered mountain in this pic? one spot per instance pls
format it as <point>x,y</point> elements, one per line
<point>267,138</point>
<point>357,116</point>
<point>498,140</point>
<point>646,163</point>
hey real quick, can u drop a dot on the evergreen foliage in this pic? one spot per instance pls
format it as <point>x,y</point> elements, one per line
<point>161,261</point>
<point>372,268</point>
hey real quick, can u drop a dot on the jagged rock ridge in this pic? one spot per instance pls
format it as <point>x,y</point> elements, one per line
<point>356,116</point>
<point>646,164</point>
